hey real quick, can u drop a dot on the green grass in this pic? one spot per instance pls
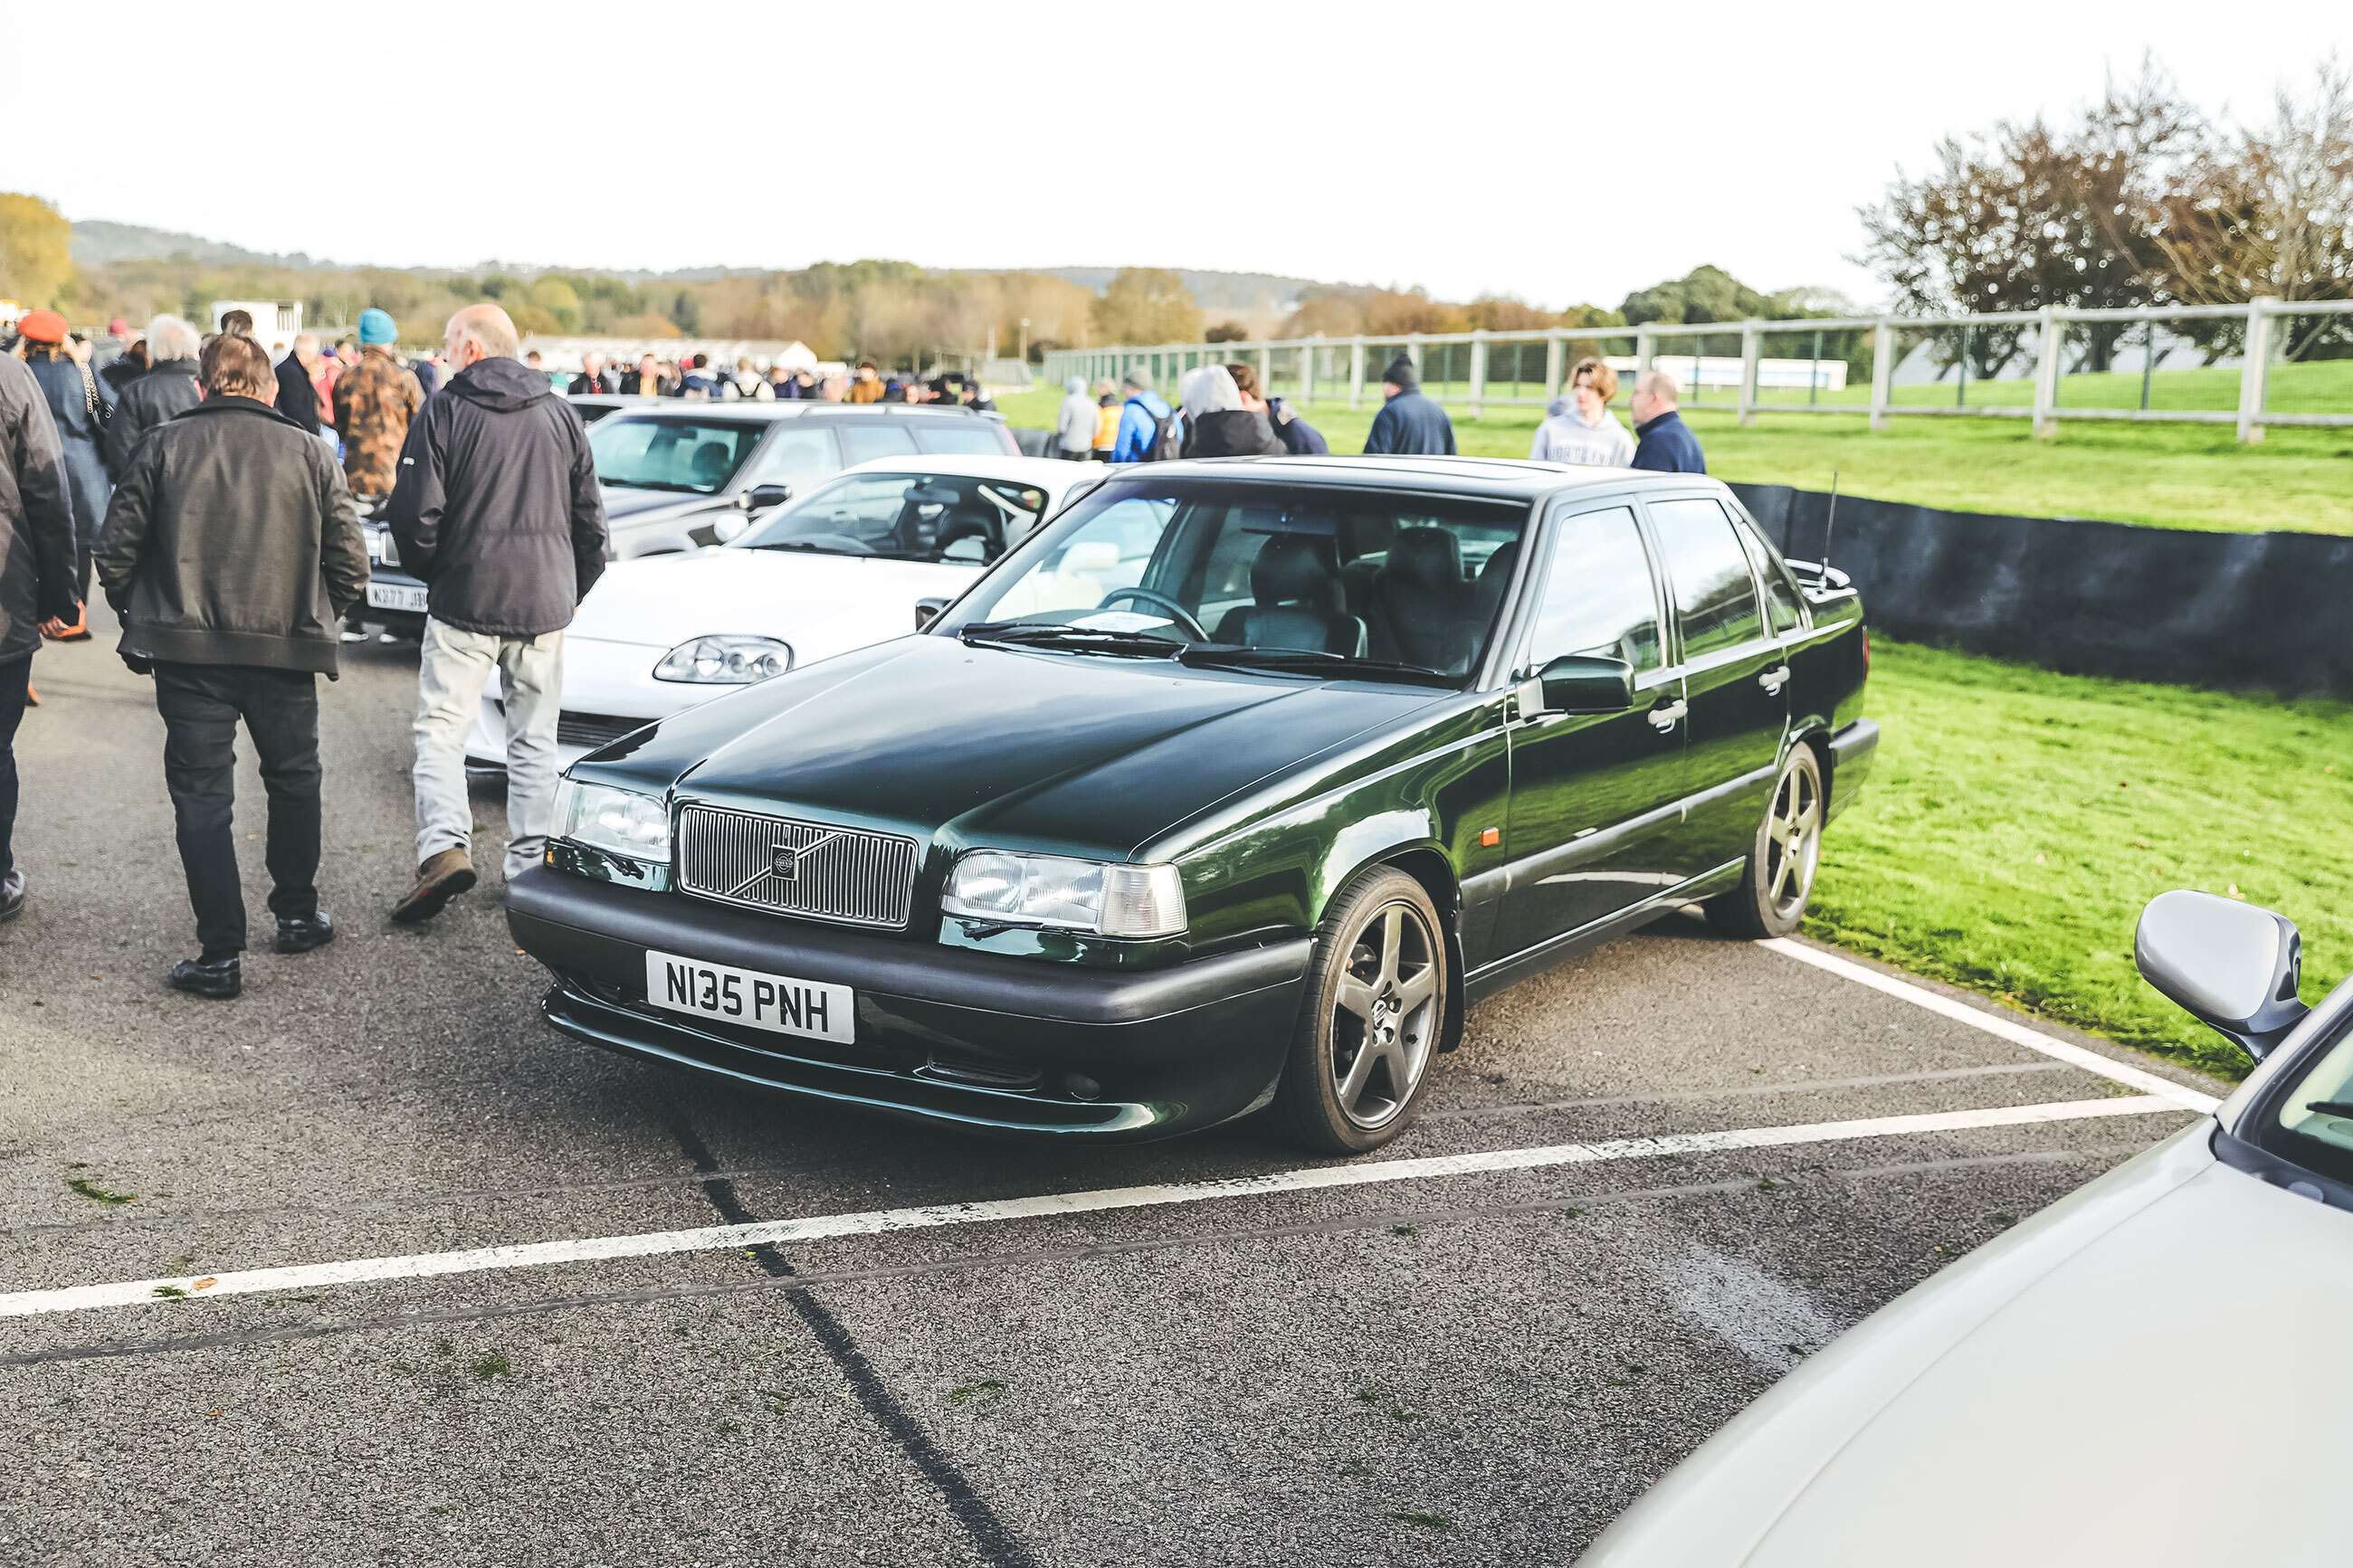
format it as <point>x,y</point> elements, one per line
<point>2161,476</point>
<point>2017,821</point>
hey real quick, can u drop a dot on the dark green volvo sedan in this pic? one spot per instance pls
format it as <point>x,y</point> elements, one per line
<point>1228,789</point>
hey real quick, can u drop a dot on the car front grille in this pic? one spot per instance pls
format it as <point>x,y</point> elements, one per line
<point>842,874</point>
<point>593,728</point>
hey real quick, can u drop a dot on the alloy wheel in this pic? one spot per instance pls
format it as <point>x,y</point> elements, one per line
<point>1383,1015</point>
<point>1793,842</point>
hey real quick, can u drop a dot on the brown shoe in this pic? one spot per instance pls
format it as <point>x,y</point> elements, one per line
<point>439,880</point>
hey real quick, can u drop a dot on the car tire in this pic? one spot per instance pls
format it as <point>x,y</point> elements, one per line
<point>1777,881</point>
<point>1376,983</point>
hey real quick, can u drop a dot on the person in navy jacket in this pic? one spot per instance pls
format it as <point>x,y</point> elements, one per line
<point>1662,442</point>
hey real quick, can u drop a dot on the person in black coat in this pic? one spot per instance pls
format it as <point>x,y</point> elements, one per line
<point>1299,439</point>
<point>298,399</point>
<point>593,377</point>
<point>1662,442</point>
<point>1216,423</point>
<point>1409,422</point>
<point>168,389</point>
<point>36,576</point>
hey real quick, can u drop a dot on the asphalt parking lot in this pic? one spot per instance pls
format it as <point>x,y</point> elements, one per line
<point>540,1304</point>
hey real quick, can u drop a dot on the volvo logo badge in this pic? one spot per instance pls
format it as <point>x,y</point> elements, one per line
<point>785,863</point>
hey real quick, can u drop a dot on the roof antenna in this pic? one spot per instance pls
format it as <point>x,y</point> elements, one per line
<point>1830,524</point>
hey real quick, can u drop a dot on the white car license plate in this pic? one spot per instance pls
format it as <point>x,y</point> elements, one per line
<point>400,597</point>
<point>773,1002</point>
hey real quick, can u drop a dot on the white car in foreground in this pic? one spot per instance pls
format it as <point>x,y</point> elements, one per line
<point>2149,1374</point>
<point>840,566</point>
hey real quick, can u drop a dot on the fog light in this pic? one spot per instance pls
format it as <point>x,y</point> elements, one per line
<point>1082,1086</point>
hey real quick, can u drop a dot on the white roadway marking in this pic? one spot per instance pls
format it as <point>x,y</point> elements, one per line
<point>876,1222</point>
<point>1994,1024</point>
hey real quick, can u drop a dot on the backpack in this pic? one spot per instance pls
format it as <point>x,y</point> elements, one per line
<point>1166,448</point>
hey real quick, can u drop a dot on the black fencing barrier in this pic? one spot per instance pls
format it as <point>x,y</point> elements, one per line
<point>2269,610</point>
<point>1033,443</point>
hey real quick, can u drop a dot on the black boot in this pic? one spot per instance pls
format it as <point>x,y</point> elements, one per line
<point>12,895</point>
<point>303,933</point>
<point>214,979</point>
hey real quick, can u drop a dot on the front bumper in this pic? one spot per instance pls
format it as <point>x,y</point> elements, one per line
<point>948,1035</point>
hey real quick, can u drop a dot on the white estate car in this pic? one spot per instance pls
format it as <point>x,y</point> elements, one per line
<point>2149,1374</point>
<point>840,567</point>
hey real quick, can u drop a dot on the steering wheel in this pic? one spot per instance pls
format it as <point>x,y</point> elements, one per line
<point>1176,612</point>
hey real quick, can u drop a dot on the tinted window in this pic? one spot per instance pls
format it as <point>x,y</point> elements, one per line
<point>794,458</point>
<point>1599,597</point>
<point>979,438</point>
<point>1715,597</point>
<point>1780,592</point>
<point>862,439</point>
<point>908,517</point>
<point>671,454</point>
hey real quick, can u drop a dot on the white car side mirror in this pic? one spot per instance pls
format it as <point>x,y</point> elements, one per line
<point>731,527</point>
<point>2234,967</point>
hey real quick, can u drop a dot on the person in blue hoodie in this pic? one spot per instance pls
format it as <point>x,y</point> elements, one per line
<point>1409,422</point>
<point>1139,422</point>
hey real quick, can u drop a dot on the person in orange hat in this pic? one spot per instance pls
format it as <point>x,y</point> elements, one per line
<point>60,364</point>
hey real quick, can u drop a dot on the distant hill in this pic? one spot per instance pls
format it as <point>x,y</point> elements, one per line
<point>1213,292</point>
<point>97,242</point>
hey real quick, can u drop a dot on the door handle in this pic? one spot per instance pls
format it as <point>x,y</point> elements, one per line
<point>1773,679</point>
<point>1666,717</point>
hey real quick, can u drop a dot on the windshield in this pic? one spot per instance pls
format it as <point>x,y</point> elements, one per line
<point>691,456</point>
<point>1280,570</point>
<point>2313,1124</point>
<point>906,517</point>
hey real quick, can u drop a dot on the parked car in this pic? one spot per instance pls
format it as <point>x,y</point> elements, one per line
<point>2135,1376</point>
<point>1227,788</point>
<point>840,567</point>
<point>671,471</point>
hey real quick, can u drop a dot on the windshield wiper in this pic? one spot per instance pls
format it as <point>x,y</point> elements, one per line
<point>1311,661</point>
<point>1056,633</point>
<point>2332,1107</point>
<point>654,485</point>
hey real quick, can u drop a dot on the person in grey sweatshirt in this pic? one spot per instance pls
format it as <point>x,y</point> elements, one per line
<point>1584,432</point>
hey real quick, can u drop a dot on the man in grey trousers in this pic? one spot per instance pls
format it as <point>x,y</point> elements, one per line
<point>495,506</point>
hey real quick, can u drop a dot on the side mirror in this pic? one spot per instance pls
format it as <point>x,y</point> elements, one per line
<point>2234,967</point>
<point>928,610</point>
<point>730,527</point>
<point>760,498</point>
<point>1580,683</point>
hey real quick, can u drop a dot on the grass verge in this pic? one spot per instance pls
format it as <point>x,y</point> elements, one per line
<point>2017,820</point>
<point>2159,476</point>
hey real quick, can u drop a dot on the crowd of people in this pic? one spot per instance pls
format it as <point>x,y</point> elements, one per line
<point>216,497</point>
<point>230,546</point>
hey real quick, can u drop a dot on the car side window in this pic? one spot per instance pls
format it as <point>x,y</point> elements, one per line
<point>974,439</point>
<point>1782,604</point>
<point>794,458</point>
<point>1598,595</point>
<point>861,439</point>
<point>1714,588</point>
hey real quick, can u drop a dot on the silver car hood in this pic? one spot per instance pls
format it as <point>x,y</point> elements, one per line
<point>2151,1373</point>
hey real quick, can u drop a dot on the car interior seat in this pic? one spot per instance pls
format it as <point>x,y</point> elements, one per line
<point>1295,584</point>
<point>1364,541</point>
<point>1422,606</point>
<point>710,463</point>
<point>1494,582</point>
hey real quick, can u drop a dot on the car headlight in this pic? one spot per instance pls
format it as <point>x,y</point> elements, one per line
<point>725,660</point>
<point>1110,899</point>
<point>617,821</point>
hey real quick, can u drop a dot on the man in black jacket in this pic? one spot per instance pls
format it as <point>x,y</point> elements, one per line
<point>36,576</point>
<point>1409,422</point>
<point>231,551</point>
<point>593,376</point>
<point>298,398</point>
<point>496,508</point>
<point>168,389</point>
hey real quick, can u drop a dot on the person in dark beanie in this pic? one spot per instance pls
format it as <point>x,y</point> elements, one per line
<point>169,388</point>
<point>230,553</point>
<point>497,510</point>
<point>1409,422</point>
<point>37,578</point>
<point>1662,442</point>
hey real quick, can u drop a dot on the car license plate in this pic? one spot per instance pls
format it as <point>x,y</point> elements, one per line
<point>400,597</point>
<point>775,1003</point>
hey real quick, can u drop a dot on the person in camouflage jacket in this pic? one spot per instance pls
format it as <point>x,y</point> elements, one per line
<point>374,400</point>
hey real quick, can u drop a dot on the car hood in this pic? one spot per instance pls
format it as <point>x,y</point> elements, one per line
<point>2149,1374</point>
<point>821,605</point>
<point>630,504</point>
<point>925,735</point>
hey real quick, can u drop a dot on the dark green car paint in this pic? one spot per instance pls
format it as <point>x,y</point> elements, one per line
<point>1535,833</point>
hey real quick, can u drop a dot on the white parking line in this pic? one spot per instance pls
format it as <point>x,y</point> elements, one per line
<point>530,1255</point>
<point>1994,1024</point>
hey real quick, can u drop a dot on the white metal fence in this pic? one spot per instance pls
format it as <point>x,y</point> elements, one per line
<point>2249,366</point>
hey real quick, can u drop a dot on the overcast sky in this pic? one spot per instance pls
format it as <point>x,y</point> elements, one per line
<point>1562,152</point>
